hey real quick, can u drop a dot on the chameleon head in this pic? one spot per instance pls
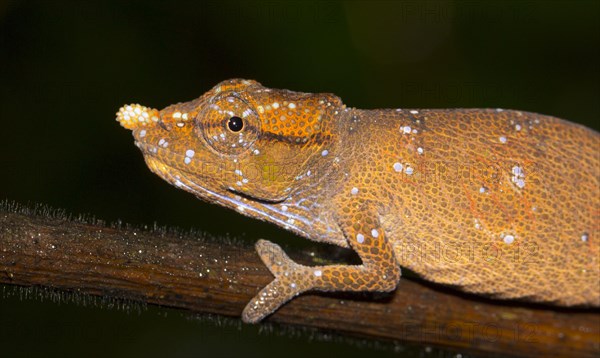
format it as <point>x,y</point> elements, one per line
<point>238,140</point>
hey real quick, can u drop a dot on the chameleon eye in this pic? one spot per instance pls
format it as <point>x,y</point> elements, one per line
<point>228,124</point>
<point>235,124</point>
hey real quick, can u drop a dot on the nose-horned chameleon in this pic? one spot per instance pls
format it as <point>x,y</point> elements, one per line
<point>497,202</point>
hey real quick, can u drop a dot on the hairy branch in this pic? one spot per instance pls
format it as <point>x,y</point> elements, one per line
<point>189,272</point>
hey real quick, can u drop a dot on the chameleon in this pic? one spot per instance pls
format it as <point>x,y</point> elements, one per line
<point>493,202</point>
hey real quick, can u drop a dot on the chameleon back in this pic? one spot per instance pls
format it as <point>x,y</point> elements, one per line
<point>504,203</point>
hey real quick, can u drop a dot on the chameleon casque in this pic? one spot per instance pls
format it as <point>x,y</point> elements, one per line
<point>495,202</point>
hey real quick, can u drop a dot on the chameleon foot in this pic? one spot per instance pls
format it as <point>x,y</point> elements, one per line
<point>377,273</point>
<point>286,285</point>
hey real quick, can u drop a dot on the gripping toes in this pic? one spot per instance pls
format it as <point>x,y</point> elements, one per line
<point>283,288</point>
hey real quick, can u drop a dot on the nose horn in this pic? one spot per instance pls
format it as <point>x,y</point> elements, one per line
<point>133,116</point>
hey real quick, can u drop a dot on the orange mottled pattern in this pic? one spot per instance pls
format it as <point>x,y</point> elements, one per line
<point>496,202</point>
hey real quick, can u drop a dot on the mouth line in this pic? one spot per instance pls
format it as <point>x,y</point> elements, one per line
<point>251,198</point>
<point>186,180</point>
<point>182,181</point>
<point>152,151</point>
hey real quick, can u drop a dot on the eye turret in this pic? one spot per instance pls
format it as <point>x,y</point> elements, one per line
<point>229,124</point>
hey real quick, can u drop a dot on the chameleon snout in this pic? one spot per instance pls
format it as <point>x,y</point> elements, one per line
<point>134,116</point>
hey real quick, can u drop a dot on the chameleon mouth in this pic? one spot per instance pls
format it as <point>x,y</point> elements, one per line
<point>228,197</point>
<point>173,173</point>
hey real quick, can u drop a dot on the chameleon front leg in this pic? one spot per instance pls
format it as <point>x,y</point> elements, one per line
<point>379,270</point>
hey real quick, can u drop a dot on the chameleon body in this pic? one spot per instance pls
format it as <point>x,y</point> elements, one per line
<point>495,202</point>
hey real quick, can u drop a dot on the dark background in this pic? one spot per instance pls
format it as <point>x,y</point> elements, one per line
<point>66,68</point>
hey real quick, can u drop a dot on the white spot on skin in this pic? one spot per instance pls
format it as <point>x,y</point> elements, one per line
<point>256,152</point>
<point>509,239</point>
<point>518,176</point>
<point>293,285</point>
<point>420,150</point>
<point>520,183</point>
<point>190,153</point>
<point>585,238</point>
<point>397,167</point>
<point>325,152</point>
<point>502,139</point>
<point>360,238</point>
<point>238,172</point>
<point>187,160</point>
<point>374,233</point>
<point>177,115</point>
<point>482,189</point>
<point>275,105</point>
<point>406,129</point>
<point>517,170</point>
<point>142,133</point>
<point>284,208</point>
<point>291,105</point>
<point>518,127</point>
<point>318,273</point>
<point>354,191</point>
<point>414,112</point>
<point>409,170</point>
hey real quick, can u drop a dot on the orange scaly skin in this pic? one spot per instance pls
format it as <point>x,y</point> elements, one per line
<point>490,201</point>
